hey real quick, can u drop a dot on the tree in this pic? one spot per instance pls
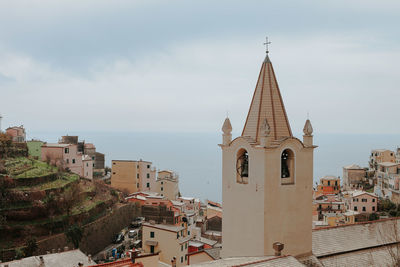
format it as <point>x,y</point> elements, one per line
<point>74,235</point>
<point>30,246</point>
<point>69,198</point>
<point>373,216</point>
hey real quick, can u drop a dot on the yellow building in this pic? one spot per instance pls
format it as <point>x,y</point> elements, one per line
<point>133,176</point>
<point>267,178</point>
<point>169,240</point>
<point>167,184</point>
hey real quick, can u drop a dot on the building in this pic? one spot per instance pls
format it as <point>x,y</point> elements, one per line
<point>327,205</point>
<point>17,133</point>
<point>169,240</point>
<point>353,176</point>
<point>267,177</point>
<point>362,202</point>
<point>328,185</point>
<point>167,184</point>
<point>379,156</point>
<point>35,148</point>
<point>67,157</point>
<point>132,175</point>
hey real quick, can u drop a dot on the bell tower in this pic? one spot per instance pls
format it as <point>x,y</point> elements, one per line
<point>267,178</point>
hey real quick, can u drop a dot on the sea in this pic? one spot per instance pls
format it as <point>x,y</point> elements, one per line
<point>196,157</point>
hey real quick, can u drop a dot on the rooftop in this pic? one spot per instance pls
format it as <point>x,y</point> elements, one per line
<point>62,259</point>
<point>166,227</point>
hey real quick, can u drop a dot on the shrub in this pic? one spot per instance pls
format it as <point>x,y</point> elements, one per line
<point>31,246</point>
<point>74,235</point>
<point>373,216</point>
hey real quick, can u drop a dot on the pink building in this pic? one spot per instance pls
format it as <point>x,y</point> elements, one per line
<point>17,133</point>
<point>362,202</point>
<point>67,155</point>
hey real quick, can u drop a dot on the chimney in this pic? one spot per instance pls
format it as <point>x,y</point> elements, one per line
<point>41,264</point>
<point>134,255</point>
<point>173,262</point>
<point>278,247</point>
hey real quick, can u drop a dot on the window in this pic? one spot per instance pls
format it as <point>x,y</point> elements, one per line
<point>336,183</point>
<point>188,234</point>
<point>113,172</point>
<point>93,158</point>
<point>162,189</point>
<point>148,175</point>
<point>373,208</point>
<point>373,200</point>
<point>181,247</point>
<point>148,185</point>
<point>67,161</point>
<point>113,163</point>
<point>355,208</point>
<point>177,235</point>
<point>137,175</point>
<point>87,164</point>
<point>137,166</point>
<point>93,164</point>
<point>151,234</point>
<point>363,209</point>
<point>66,150</point>
<point>73,161</point>
<point>287,167</point>
<point>152,249</point>
<point>162,182</point>
<point>186,243</point>
<point>329,182</point>
<point>242,167</point>
<point>137,185</point>
<point>148,166</point>
<point>181,259</point>
<point>364,200</point>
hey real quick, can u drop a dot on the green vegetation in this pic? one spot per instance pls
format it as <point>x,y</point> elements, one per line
<point>74,235</point>
<point>28,168</point>
<point>64,180</point>
<point>30,246</point>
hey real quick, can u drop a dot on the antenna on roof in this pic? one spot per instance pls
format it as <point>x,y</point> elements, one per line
<point>266,45</point>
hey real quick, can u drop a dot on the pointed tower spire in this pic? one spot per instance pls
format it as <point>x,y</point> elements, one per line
<point>267,104</point>
<point>227,132</point>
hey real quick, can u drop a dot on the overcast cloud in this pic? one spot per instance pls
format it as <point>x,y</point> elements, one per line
<point>181,65</point>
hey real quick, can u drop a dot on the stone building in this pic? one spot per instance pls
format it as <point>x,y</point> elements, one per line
<point>353,176</point>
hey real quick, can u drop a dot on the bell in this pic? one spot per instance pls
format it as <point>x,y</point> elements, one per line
<point>245,168</point>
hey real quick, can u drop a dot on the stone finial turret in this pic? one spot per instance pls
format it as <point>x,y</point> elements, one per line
<point>227,132</point>
<point>308,130</point>
<point>227,127</point>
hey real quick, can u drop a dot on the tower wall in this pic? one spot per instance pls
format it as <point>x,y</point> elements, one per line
<point>288,207</point>
<point>243,204</point>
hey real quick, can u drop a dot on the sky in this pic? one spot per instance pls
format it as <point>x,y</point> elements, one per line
<point>182,66</point>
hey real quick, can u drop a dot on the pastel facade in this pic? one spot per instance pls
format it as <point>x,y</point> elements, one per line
<point>35,148</point>
<point>170,241</point>
<point>267,177</point>
<point>379,156</point>
<point>17,133</point>
<point>362,202</point>
<point>167,184</point>
<point>329,185</point>
<point>67,156</point>
<point>132,176</point>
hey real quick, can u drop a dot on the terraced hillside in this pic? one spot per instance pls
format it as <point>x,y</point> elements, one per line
<point>41,200</point>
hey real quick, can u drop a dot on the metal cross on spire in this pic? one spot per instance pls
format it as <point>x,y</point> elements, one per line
<point>266,45</point>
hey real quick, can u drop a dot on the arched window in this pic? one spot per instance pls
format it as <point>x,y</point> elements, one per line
<point>242,167</point>
<point>287,167</point>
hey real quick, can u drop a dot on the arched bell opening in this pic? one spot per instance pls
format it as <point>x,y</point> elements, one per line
<point>287,167</point>
<point>242,167</point>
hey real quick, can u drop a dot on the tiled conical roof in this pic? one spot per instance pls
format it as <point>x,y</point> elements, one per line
<point>267,104</point>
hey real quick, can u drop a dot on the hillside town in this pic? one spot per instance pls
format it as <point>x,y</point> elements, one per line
<point>62,206</point>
